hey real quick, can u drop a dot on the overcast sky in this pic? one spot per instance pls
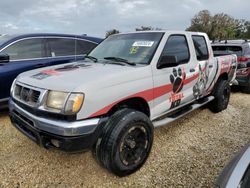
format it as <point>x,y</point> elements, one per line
<point>95,17</point>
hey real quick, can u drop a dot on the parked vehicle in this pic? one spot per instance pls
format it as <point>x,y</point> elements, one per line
<point>112,101</point>
<point>237,172</point>
<point>242,49</point>
<point>19,53</point>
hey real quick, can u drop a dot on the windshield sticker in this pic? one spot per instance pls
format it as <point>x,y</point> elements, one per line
<point>134,50</point>
<point>143,43</point>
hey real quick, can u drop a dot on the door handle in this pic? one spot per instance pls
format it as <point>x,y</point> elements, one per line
<point>192,70</point>
<point>210,66</point>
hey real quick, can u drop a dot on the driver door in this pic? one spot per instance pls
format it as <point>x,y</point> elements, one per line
<point>175,74</point>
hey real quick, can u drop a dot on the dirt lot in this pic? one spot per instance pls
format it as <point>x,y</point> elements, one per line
<point>188,153</point>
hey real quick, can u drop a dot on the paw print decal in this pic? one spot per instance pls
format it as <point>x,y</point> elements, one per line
<point>177,79</point>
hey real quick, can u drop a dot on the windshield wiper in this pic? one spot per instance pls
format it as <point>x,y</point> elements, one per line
<point>91,58</point>
<point>118,59</point>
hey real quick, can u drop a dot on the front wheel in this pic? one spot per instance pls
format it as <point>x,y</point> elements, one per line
<point>222,96</point>
<point>126,143</point>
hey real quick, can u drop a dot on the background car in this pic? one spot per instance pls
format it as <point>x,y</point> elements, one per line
<point>242,49</point>
<point>19,53</point>
<point>237,172</point>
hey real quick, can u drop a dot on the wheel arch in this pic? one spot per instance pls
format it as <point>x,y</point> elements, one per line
<point>136,103</point>
<point>223,76</point>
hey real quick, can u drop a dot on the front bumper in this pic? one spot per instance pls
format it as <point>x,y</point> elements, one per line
<point>68,136</point>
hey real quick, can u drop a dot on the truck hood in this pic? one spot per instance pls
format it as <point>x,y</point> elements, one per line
<point>74,77</point>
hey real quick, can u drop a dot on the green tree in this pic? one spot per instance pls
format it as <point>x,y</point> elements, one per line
<point>223,26</point>
<point>245,30</point>
<point>219,26</point>
<point>201,22</point>
<point>112,32</point>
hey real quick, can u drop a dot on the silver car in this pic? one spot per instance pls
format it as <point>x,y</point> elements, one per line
<point>237,173</point>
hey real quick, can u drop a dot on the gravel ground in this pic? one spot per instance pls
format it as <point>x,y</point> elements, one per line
<point>188,153</point>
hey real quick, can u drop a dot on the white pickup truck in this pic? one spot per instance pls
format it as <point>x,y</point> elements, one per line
<point>111,101</point>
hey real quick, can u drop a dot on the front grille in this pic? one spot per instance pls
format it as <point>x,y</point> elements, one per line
<point>26,95</point>
<point>23,118</point>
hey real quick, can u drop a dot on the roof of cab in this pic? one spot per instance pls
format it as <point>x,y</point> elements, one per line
<point>165,31</point>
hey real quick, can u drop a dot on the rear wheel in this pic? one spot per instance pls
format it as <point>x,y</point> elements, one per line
<point>222,96</point>
<point>126,143</point>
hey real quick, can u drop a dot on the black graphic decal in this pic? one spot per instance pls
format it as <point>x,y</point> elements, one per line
<point>177,79</point>
<point>200,87</point>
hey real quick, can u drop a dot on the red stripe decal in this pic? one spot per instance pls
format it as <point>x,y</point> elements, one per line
<point>50,72</point>
<point>192,78</point>
<point>148,95</point>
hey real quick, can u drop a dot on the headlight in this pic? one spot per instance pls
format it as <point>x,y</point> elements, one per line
<point>56,100</point>
<point>74,103</point>
<point>63,102</point>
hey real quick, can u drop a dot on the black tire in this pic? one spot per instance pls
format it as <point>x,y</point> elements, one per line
<point>125,143</point>
<point>222,96</point>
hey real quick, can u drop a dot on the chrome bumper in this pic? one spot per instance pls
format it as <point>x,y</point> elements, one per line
<point>61,128</point>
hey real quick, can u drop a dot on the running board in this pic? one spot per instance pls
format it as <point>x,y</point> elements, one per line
<point>181,112</point>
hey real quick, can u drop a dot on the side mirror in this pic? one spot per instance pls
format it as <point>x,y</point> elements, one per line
<point>4,58</point>
<point>167,61</point>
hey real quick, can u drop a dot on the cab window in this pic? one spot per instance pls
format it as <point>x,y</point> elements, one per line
<point>25,49</point>
<point>176,48</point>
<point>200,46</point>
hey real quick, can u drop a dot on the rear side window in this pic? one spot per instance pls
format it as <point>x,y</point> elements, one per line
<point>61,47</point>
<point>25,49</point>
<point>84,47</point>
<point>177,47</point>
<point>200,47</point>
<point>226,50</point>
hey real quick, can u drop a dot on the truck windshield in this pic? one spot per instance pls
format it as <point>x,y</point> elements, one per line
<point>137,48</point>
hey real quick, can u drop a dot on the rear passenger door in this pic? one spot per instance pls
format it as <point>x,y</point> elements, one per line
<point>206,67</point>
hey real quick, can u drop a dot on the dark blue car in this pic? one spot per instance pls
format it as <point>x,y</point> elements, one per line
<point>19,53</point>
